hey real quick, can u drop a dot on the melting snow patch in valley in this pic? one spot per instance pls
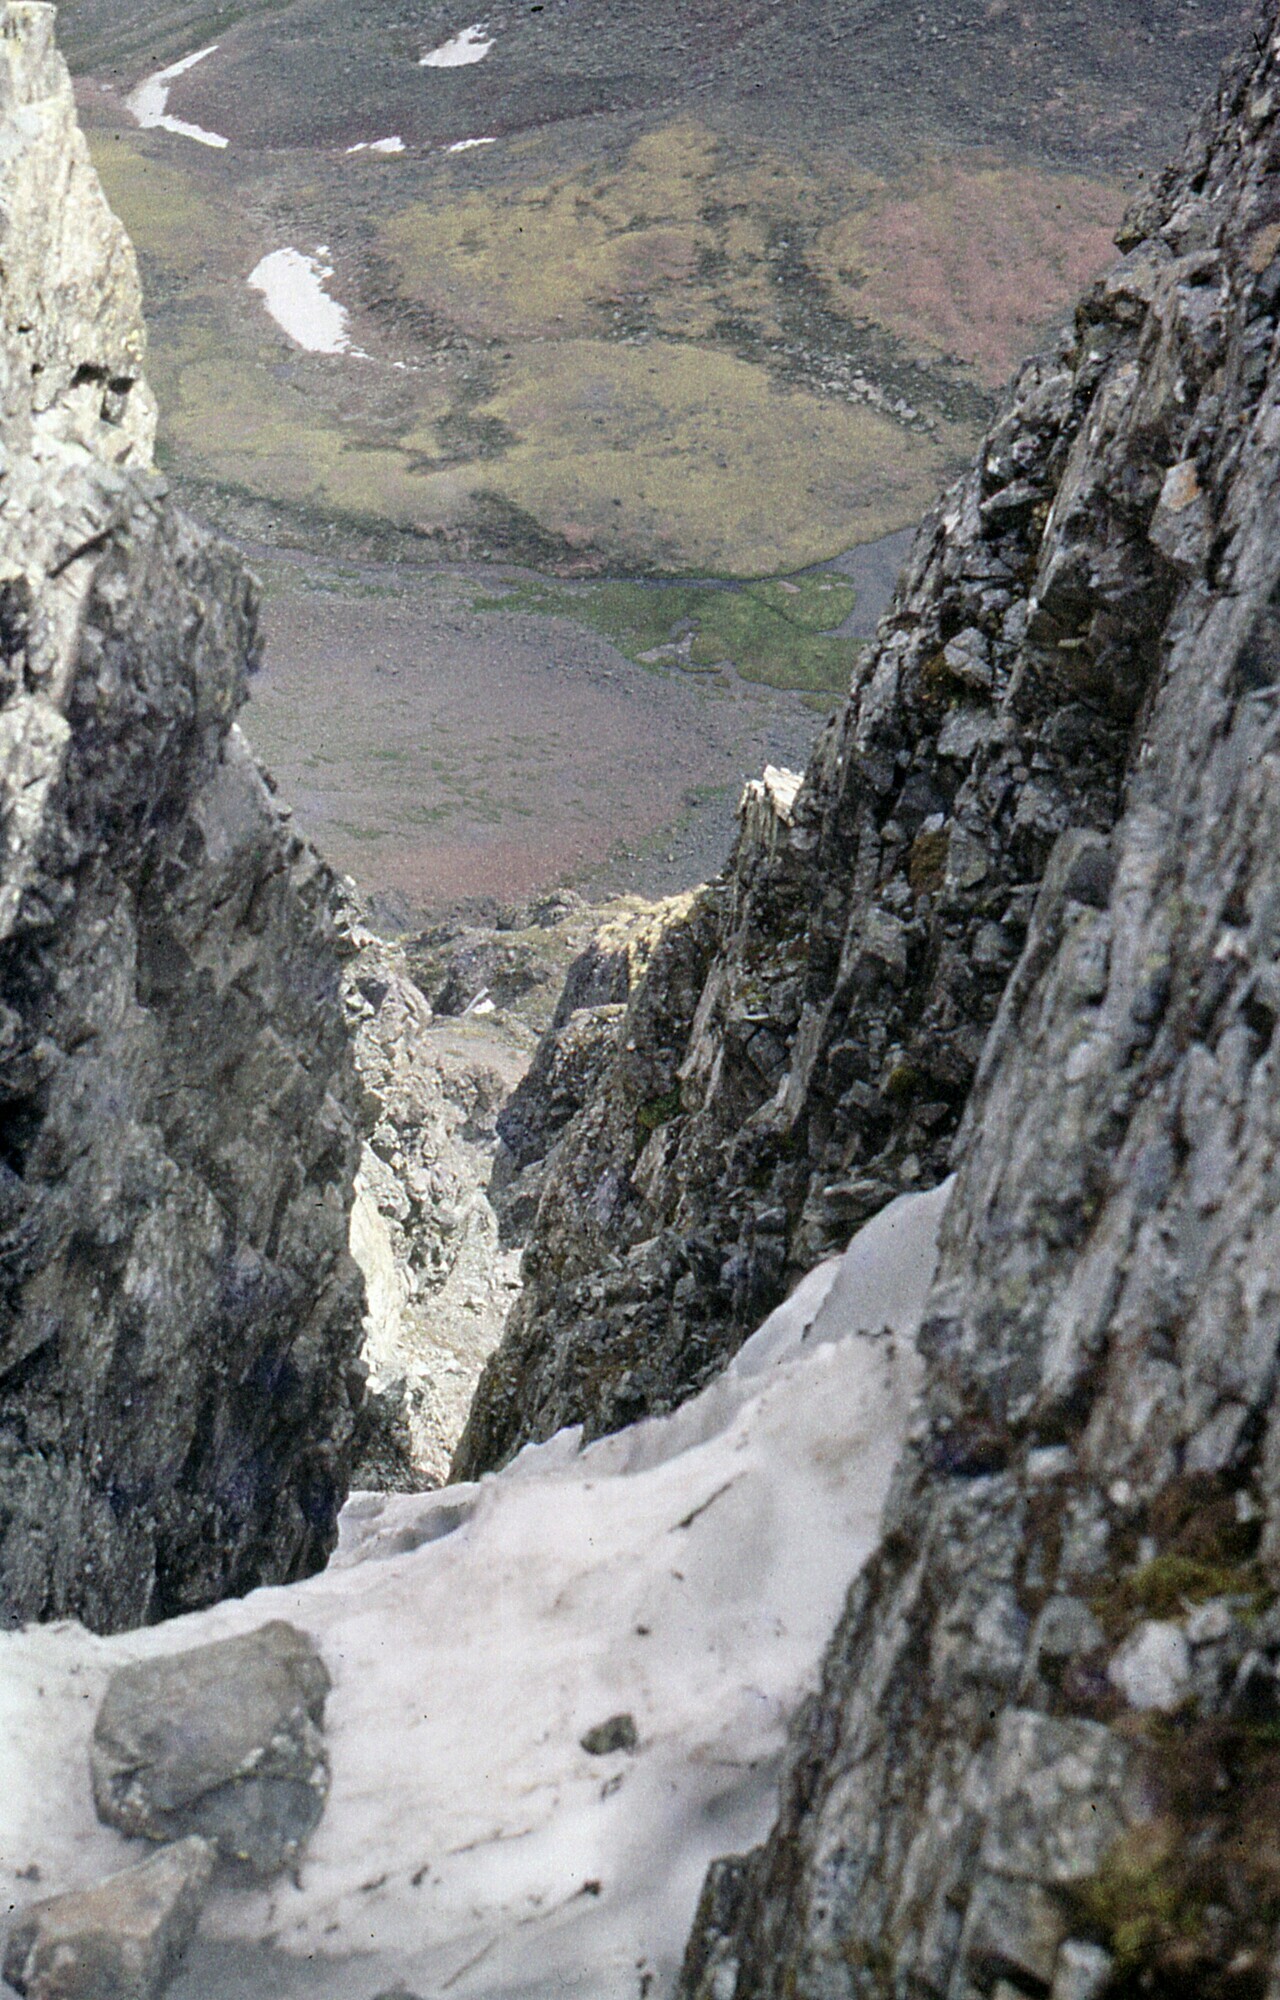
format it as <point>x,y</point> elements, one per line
<point>472,45</point>
<point>293,287</point>
<point>684,1574</point>
<point>465,145</point>
<point>395,145</point>
<point>147,103</point>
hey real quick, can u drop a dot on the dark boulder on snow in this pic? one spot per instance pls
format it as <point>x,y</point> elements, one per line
<point>225,1741</point>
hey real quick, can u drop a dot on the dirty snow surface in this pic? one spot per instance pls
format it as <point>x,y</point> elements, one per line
<point>293,286</point>
<point>685,1572</point>
<point>472,45</point>
<point>148,102</point>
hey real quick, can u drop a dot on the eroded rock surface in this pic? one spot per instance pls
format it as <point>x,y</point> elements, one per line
<point>807,1035</point>
<point>439,1281</point>
<point>179,1315</point>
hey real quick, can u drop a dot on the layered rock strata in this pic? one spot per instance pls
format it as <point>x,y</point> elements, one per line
<point>179,1315</point>
<point>1043,1758</point>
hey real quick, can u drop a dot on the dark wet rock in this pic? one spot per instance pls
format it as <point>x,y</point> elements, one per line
<point>617,1733</point>
<point>123,1939</point>
<point>179,1315</point>
<point>562,1077</point>
<point>383,1458</point>
<point>224,1741</point>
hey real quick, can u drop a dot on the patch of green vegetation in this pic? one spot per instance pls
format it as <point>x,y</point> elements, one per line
<point>1205,1548</point>
<point>1168,1584</point>
<point>1139,1902</point>
<point>659,1110</point>
<point>1187,1901</point>
<point>777,631</point>
<point>814,603</point>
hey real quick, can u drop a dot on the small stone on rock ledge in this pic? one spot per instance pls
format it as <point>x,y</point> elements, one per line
<point>1153,1668</point>
<point>1083,1971</point>
<point>223,1741</point>
<point>123,1939</point>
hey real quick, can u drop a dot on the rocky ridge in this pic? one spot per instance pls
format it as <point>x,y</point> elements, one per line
<point>804,1044</point>
<point>180,1314</point>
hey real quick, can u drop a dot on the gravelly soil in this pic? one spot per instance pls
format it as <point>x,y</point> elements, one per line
<point>441,755</point>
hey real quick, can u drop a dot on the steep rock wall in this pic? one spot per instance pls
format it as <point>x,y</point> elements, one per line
<point>179,1315</point>
<point>1043,1757</point>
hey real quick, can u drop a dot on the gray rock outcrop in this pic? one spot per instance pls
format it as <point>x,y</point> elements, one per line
<point>224,1741</point>
<point>179,1315</point>
<point>459,1130</point>
<point>123,1939</point>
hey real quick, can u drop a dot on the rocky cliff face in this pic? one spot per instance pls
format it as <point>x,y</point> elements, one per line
<point>1044,1752</point>
<point>1023,914</point>
<point>178,1311</point>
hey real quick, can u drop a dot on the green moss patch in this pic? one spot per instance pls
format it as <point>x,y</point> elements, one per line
<point>1204,1549</point>
<point>659,1110</point>
<point>777,632</point>
<point>1187,1902</point>
<point>1168,1585</point>
<point>1138,1903</point>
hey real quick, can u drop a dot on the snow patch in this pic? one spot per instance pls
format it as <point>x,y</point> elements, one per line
<point>395,145</point>
<point>472,45</point>
<point>148,102</point>
<point>293,286</point>
<point>465,145</point>
<point>686,1573</point>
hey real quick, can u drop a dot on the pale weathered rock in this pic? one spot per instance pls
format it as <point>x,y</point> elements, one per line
<point>1012,1928</point>
<point>438,1278</point>
<point>1153,1667</point>
<point>1065,1629</point>
<point>1056,1808</point>
<point>1082,1971</point>
<point>225,1741</point>
<point>123,1939</point>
